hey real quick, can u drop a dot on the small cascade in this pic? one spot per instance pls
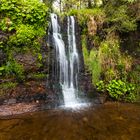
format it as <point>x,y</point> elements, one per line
<point>60,52</point>
<point>67,61</point>
<point>73,54</point>
<point>71,91</point>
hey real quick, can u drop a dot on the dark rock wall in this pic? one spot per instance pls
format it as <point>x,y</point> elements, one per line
<point>131,42</point>
<point>46,88</point>
<point>84,78</point>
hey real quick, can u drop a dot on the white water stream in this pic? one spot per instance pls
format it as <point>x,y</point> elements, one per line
<point>68,63</point>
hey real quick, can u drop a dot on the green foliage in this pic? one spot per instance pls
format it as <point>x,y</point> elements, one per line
<point>85,51</point>
<point>1,70</point>
<point>23,37</point>
<point>118,17</point>
<point>13,68</point>
<point>84,15</point>
<point>24,22</point>
<point>115,65</point>
<point>94,66</point>
<point>109,62</point>
<point>101,86</point>
<point>109,56</point>
<point>15,12</point>
<point>38,76</point>
<point>92,61</point>
<point>25,19</point>
<point>134,77</point>
<point>8,85</point>
<point>118,90</point>
<point>1,45</point>
<point>27,36</point>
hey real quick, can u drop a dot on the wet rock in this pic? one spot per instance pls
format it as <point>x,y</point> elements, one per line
<point>28,61</point>
<point>102,98</point>
<point>14,109</point>
<point>3,36</point>
<point>10,101</point>
<point>2,57</point>
<point>85,119</point>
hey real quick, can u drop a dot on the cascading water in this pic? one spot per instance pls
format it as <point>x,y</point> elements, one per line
<point>73,54</point>
<point>70,90</point>
<point>67,64</point>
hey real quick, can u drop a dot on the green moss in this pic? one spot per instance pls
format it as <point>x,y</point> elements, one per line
<point>92,62</point>
<point>83,16</point>
<point>7,85</point>
<point>13,69</point>
<point>84,50</point>
<point>38,76</point>
<point>95,66</point>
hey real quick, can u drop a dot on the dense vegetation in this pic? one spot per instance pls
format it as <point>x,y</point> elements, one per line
<point>114,70</point>
<point>105,25</point>
<point>22,26</point>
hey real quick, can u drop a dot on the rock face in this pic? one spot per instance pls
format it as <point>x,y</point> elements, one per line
<point>28,61</point>
<point>2,57</point>
<point>31,91</point>
<point>3,38</point>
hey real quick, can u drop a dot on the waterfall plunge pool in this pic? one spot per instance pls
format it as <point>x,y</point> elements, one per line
<point>109,121</point>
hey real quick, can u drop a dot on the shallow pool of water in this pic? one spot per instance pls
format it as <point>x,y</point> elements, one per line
<point>111,121</point>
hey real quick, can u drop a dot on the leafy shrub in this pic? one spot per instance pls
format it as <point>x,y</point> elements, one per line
<point>15,12</point>
<point>24,23</point>
<point>25,19</point>
<point>118,17</point>
<point>1,70</point>
<point>24,36</point>
<point>13,68</point>
<point>84,15</point>
<point>118,90</point>
<point>101,86</point>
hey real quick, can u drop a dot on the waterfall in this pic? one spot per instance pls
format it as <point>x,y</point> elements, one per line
<point>73,54</point>
<point>60,52</point>
<point>67,60</point>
